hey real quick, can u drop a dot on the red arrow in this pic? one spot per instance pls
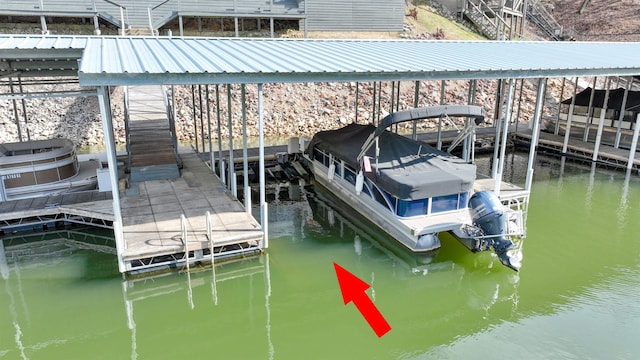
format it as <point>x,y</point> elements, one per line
<point>353,290</point>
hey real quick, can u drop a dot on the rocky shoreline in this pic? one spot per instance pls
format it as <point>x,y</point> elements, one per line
<point>290,109</point>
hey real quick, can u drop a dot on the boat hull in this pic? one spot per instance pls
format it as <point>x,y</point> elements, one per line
<point>417,234</point>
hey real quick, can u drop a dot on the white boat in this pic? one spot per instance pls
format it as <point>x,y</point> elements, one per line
<point>43,167</point>
<point>409,189</point>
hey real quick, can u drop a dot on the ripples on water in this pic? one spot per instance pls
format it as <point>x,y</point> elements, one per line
<point>576,296</point>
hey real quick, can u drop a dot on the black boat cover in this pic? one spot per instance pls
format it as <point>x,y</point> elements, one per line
<point>408,169</point>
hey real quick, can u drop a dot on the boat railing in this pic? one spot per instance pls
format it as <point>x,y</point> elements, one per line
<point>516,225</point>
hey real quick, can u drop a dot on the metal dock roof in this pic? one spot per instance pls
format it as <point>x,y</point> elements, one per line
<point>163,60</point>
<point>147,60</point>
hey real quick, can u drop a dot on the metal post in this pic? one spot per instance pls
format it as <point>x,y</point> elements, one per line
<point>565,145</point>
<point>15,110</point>
<point>555,132</point>
<point>220,158</point>
<point>235,25</point>
<point>272,28</point>
<point>379,101</point>
<point>519,103</point>
<point>535,132</point>
<point>24,109</point>
<point>123,31</point>
<point>245,156</point>
<point>263,203</point>
<point>195,116</point>
<point>174,115</point>
<point>211,157</point>
<point>43,23</point>
<point>201,118</point>
<point>96,25</point>
<point>107,128</point>
<point>634,144</point>
<point>442,101</point>
<point>603,111</point>
<point>589,120</point>
<point>373,111</point>
<point>181,25</point>
<point>496,141</point>
<point>4,265</point>
<point>3,192</point>
<point>623,107</point>
<point>230,125</point>
<point>416,98</point>
<point>357,96</point>
<point>151,32</point>
<point>503,145</point>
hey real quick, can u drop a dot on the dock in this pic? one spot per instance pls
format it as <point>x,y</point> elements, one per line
<point>577,148</point>
<point>84,207</point>
<point>152,226</point>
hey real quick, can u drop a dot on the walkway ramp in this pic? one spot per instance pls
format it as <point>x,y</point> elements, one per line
<point>152,155</point>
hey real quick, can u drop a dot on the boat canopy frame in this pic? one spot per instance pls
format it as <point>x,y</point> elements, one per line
<point>421,113</point>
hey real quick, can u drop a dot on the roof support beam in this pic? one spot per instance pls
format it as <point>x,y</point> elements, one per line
<point>107,127</point>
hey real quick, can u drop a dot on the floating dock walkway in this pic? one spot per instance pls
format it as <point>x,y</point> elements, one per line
<point>607,154</point>
<point>154,233</point>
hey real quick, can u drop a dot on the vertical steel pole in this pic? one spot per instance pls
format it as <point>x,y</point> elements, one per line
<point>603,111</point>
<point>24,110</point>
<point>201,117</point>
<point>505,132</point>
<point>220,158</point>
<point>442,101</point>
<point>15,110</point>
<point>263,202</point>
<point>634,144</point>
<point>230,125</point>
<point>623,107</point>
<point>589,120</point>
<point>416,98</point>
<point>107,128</point>
<point>195,116</point>
<point>357,98</point>
<point>211,157</point>
<point>245,156</point>
<point>373,111</point>
<point>565,145</point>
<point>557,126</point>
<point>535,132</point>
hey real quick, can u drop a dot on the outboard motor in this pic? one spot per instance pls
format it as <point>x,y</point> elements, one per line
<point>489,214</point>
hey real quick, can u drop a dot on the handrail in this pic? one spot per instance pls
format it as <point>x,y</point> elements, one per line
<point>479,8</point>
<point>183,230</point>
<point>210,235</point>
<point>122,10</point>
<point>172,126</point>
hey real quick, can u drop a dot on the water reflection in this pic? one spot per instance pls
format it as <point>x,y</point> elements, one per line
<point>164,287</point>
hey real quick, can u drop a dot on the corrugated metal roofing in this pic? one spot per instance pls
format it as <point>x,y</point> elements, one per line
<point>41,55</point>
<point>113,60</point>
<point>161,60</point>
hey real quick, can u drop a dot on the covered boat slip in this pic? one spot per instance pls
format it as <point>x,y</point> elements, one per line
<point>120,61</point>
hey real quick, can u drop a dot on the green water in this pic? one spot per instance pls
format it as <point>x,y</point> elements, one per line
<point>576,296</point>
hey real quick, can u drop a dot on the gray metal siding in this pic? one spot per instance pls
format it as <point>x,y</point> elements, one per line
<point>355,15</point>
<point>136,11</point>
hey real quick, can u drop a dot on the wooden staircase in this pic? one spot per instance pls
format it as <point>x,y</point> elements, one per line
<point>152,153</point>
